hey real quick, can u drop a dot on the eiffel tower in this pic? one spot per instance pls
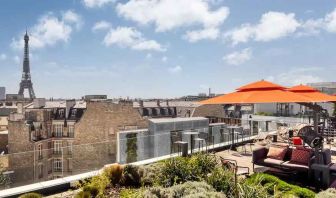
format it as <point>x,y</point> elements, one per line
<point>26,82</point>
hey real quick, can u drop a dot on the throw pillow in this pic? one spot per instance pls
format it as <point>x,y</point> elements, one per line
<point>277,152</point>
<point>300,156</point>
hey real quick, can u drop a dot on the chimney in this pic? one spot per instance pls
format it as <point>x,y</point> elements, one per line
<point>141,103</point>
<point>158,103</point>
<point>209,91</point>
<point>68,105</point>
<point>19,107</point>
<point>167,103</point>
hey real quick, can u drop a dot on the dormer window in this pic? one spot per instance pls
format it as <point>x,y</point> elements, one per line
<point>61,113</point>
<point>73,112</point>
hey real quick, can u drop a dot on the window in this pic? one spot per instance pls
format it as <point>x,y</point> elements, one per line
<point>61,113</point>
<point>39,148</point>
<point>71,130</point>
<point>58,130</point>
<point>57,165</point>
<point>50,164</point>
<point>73,112</point>
<point>40,171</point>
<point>70,164</point>
<point>70,148</point>
<point>57,147</point>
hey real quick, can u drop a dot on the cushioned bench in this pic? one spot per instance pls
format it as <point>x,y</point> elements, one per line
<point>285,162</point>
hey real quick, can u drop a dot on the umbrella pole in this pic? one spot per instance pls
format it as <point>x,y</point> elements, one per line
<point>317,150</point>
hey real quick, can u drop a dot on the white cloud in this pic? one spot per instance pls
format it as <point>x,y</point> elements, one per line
<point>297,76</point>
<point>3,57</point>
<point>101,25</point>
<point>272,25</point>
<point>130,37</point>
<point>49,31</point>
<point>330,20</point>
<point>72,18</point>
<point>164,59</point>
<point>314,26</point>
<point>174,70</point>
<point>311,27</point>
<point>196,35</point>
<point>171,14</point>
<point>97,3</point>
<point>238,57</point>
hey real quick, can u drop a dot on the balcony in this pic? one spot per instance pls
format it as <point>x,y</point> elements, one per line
<point>36,138</point>
<point>56,154</point>
<point>57,170</point>
<point>62,135</point>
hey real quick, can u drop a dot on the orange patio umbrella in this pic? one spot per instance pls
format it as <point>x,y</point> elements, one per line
<point>259,92</point>
<point>313,94</point>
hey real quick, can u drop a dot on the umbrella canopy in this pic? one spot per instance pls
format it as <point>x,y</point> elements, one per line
<point>313,94</point>
<point>259,92</point>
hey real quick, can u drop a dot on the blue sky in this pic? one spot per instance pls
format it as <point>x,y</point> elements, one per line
<point>167,48</point>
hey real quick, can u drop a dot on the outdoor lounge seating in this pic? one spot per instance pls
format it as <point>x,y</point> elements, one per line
<point>286,163</point>
<point>326,170</point>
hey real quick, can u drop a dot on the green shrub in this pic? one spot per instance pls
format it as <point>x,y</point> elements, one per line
<point>130,193</point>
<point>100,181</point>
<point>279,188</point>
<point>94,186</point>
<point>251,191</point>
<point>188,189</point>
<point>93,190</point>
<point>329,193</point>
<point>181,169</point>
<point>31,195</point>
<point>176,171</point>
<point>151,174</point>
<point>221,180</point>
<point>83,194</point>
<point>114,173</point>
<point>131,176</point>
<point>202,164</point>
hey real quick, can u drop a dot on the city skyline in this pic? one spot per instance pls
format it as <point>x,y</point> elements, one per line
<point>175,48</point>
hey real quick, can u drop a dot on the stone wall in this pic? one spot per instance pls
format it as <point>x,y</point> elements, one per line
<point>95,134</point>
<point>21,157</point>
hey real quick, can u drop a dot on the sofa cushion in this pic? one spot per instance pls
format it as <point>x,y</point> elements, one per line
<point>277,152</point>
<point>332,167</point>
<point>300,156</point>
<point>295,166</point>
<point>270,161</point>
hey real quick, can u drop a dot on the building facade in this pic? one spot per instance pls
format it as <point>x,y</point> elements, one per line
<point>325,87</point>
<point>53,139</point>
<point>2,93</point>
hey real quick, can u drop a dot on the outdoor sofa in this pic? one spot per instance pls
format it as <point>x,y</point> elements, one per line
<point>285,163</point>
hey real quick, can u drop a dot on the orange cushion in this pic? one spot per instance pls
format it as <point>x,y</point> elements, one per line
<point>300,156</point>
<point>277,152</point>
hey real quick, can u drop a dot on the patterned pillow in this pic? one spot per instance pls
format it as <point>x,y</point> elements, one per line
<point>277,152</point>
<point>300,156</point>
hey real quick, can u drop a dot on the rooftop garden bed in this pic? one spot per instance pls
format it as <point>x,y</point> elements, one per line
<point>199,175</point>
